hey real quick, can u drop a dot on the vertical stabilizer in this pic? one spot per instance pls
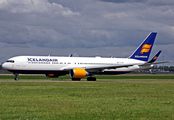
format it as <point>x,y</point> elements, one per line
<point>144,50</point>
<point>155,57</point>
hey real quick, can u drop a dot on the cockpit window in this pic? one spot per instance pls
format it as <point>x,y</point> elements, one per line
<point>11,61</point>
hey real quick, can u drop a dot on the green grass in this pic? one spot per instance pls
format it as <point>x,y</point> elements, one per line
<point>86,100</point>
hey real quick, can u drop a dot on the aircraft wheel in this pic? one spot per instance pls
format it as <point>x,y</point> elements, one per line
<point>76,79</point>
<point>91,79</point>
<point>16,78</point>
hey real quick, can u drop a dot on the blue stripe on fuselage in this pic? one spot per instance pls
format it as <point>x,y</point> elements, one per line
<point>39,72</point>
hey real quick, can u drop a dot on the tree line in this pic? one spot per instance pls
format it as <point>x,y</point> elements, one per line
<point>163,68</point>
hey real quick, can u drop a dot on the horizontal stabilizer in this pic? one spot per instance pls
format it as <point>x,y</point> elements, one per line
<point>162,62</point>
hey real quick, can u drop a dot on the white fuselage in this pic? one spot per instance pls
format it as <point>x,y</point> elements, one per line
<point>53,65</point>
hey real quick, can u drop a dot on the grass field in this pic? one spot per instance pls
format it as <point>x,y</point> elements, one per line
<point>87,100</point>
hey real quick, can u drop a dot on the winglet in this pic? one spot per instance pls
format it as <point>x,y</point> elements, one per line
<point>70,55</point>
<point>144,50</point>
<point>155,57</point>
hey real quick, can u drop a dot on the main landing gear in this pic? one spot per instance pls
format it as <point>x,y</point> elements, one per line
<point>91,79</point>
<point>76,79</point>
<point>88,79</point>
<point>16,76</point>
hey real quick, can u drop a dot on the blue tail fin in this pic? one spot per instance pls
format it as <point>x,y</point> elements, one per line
<point>144,50</point>
<point>155,57</point>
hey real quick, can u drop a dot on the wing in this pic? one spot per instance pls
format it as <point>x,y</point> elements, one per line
<point>99,68</point>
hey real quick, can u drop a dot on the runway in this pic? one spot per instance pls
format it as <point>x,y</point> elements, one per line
<point>116,81</point>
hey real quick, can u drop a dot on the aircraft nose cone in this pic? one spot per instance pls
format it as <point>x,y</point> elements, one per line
<point>4,66</point>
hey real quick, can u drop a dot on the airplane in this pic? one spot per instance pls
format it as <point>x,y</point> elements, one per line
<point>80,67</point>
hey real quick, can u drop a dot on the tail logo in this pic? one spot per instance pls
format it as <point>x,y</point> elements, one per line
<point>145,48</point>
<point>155,58</point>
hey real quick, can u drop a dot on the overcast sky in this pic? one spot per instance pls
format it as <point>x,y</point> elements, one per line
<point>86,27</point>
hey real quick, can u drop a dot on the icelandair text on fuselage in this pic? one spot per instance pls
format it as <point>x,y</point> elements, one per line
<point>42,61</point>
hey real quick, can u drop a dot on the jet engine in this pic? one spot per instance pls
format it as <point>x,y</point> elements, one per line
<point>78,73</point>
<point>51,75</point>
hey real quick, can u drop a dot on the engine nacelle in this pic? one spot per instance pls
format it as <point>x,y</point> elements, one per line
<point>78,73</point>
<point>51,75</point>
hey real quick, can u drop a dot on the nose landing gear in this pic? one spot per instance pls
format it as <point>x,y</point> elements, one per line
<point>16,76</point>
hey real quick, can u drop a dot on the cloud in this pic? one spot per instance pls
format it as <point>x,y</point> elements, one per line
<point>150,2</point>
<point>33,21</point>
<point>35,6</point>
<point>123,1</point>
<point>161,2</point>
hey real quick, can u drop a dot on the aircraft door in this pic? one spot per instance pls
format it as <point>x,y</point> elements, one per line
<point>23,64</point>
<point>17,64</point>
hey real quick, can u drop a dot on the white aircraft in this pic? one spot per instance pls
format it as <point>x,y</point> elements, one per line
<point>79,67</point>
